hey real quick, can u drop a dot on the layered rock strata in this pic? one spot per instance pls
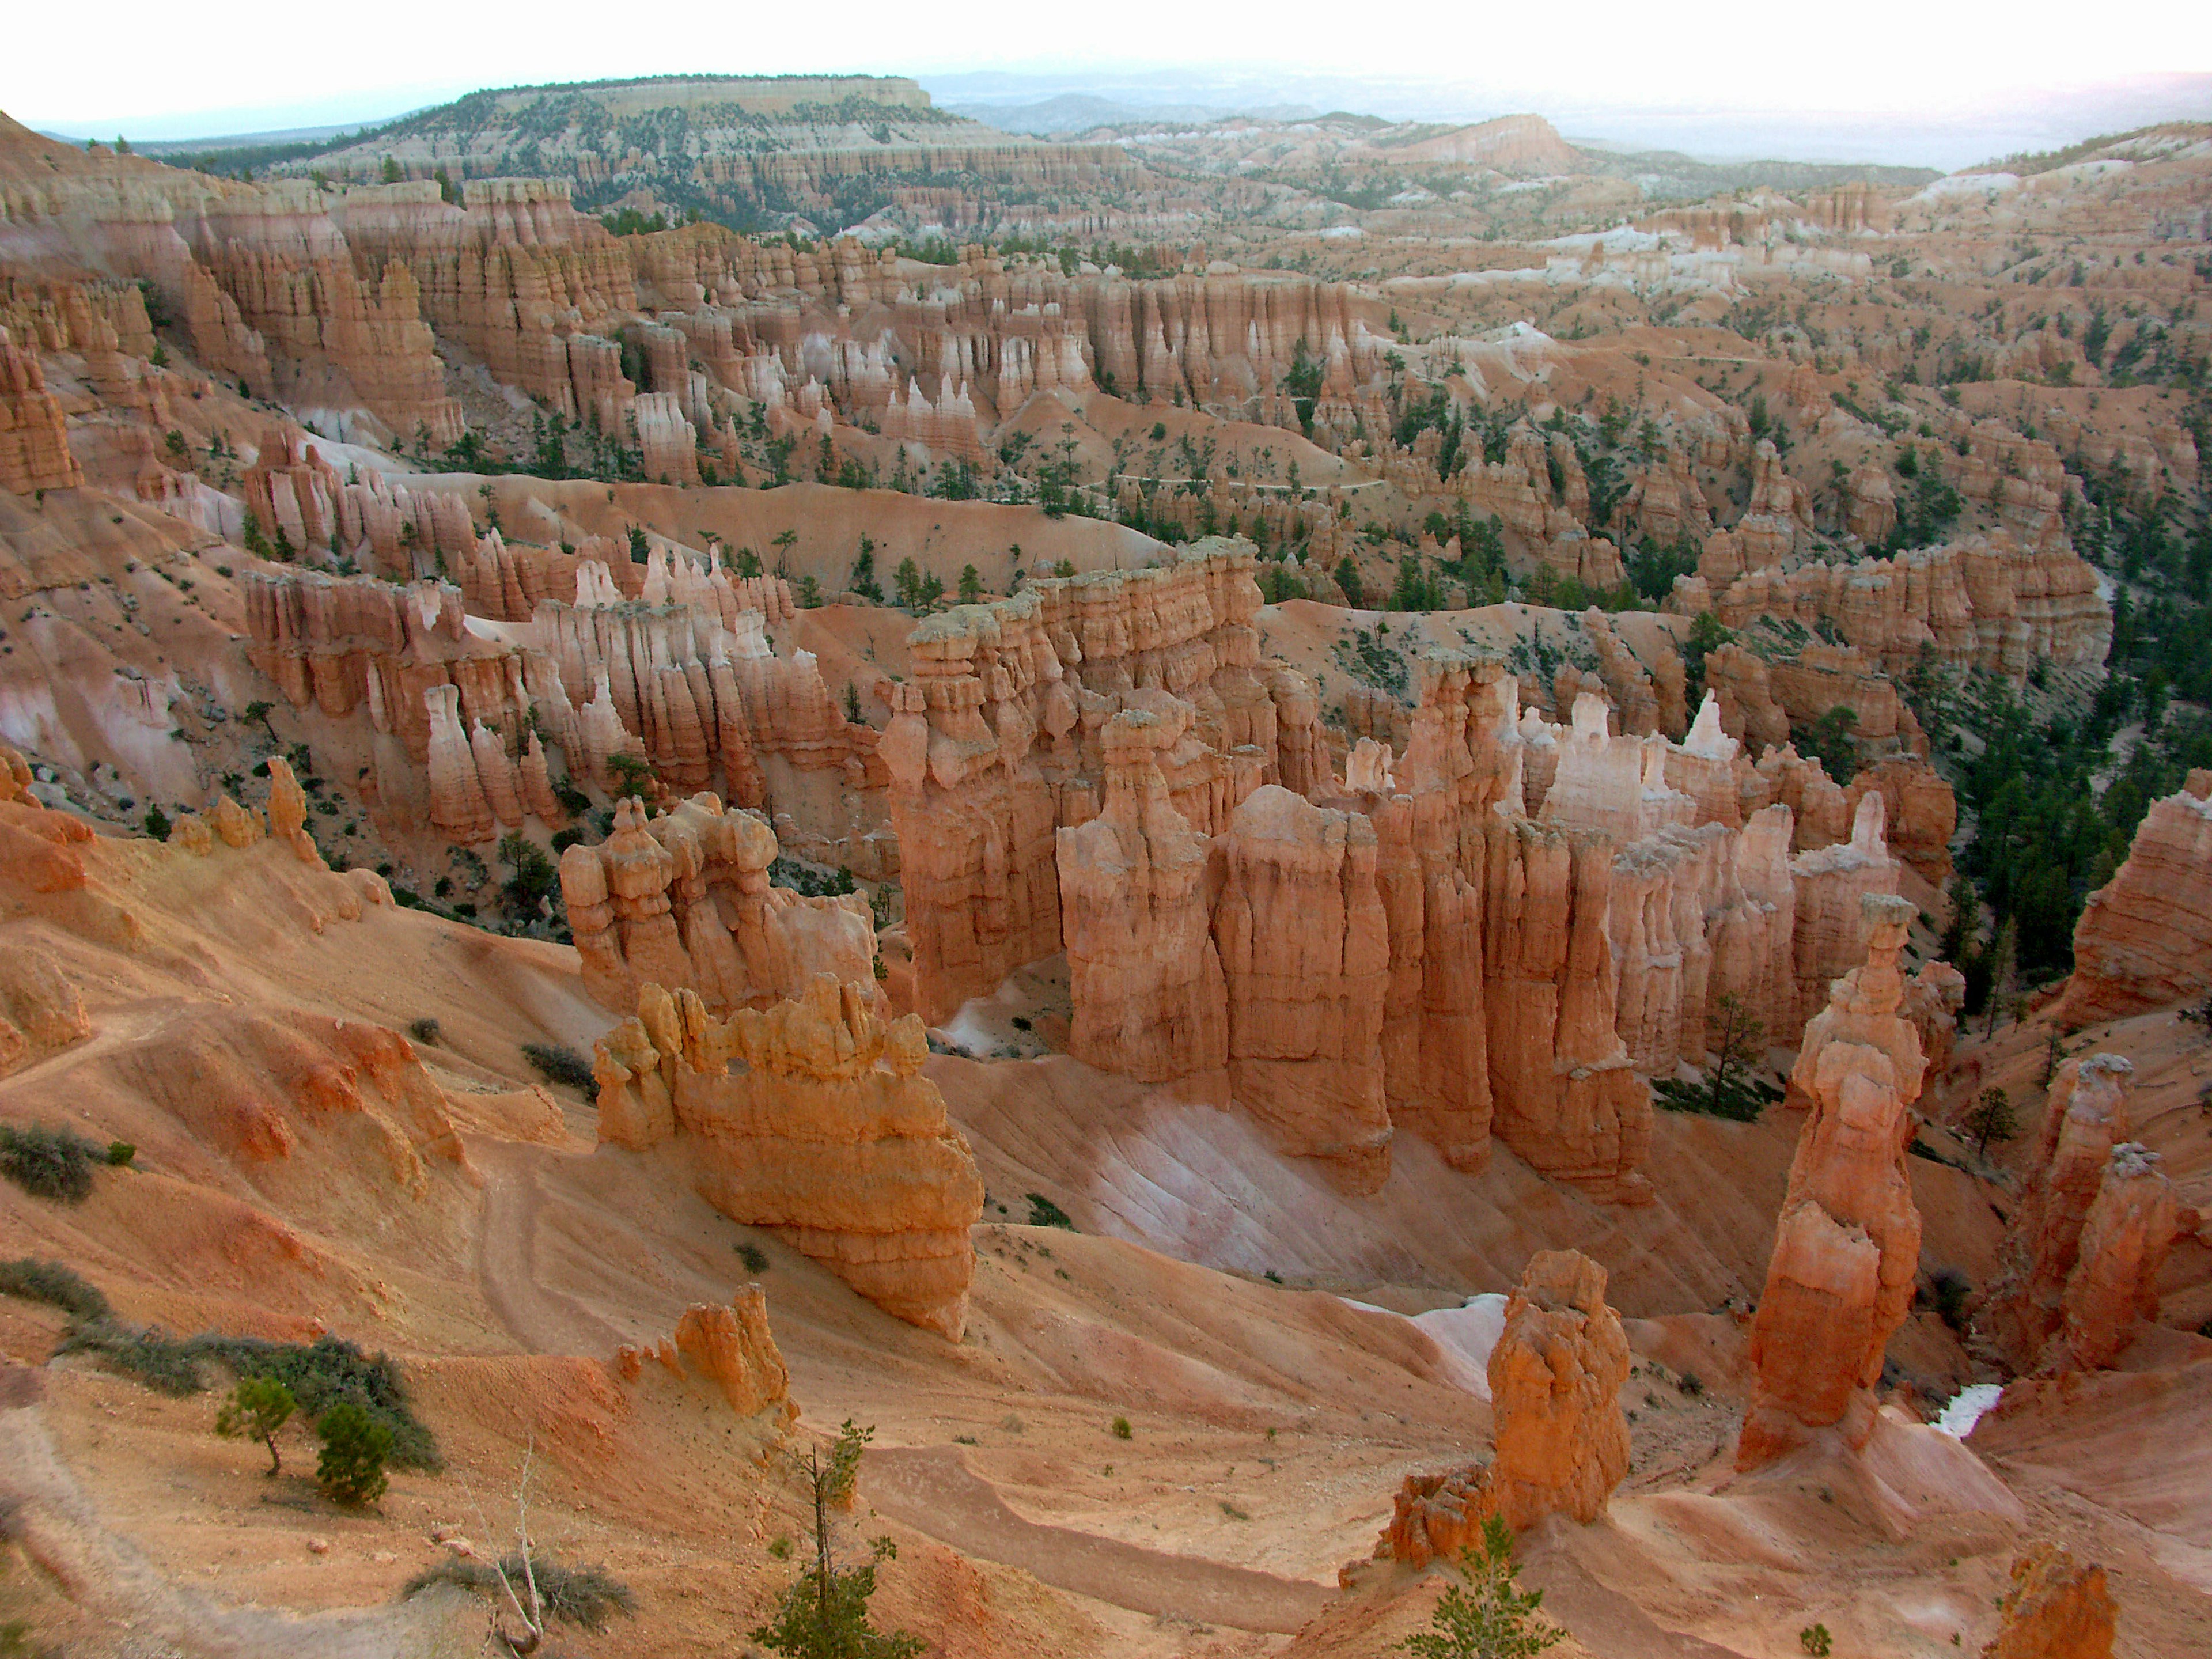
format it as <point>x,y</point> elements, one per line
<point>2144,939</point>
<point>1150,999</point>
<point>1305,952</point>
<point>829,1135</point>
<point>998,740</point>
<point>683,901</point>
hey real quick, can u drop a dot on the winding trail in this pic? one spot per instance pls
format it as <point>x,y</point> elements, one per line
<point>931,1489</point>
<point>104,1572</point>
<point>543,1321</point>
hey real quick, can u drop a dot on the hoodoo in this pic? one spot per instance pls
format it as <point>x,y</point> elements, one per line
<point>1177,812</point>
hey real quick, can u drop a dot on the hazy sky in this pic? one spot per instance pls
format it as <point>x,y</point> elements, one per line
<point>163,73</point>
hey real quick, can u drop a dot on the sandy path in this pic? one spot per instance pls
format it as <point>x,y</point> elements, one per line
<point>105,1572</point>
<point>542,1321</point>
<point>932,1491</point>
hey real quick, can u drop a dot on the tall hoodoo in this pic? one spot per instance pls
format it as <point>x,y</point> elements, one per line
<point>2124,1241</point>
<point>1847,1244</point>
<point>1306,956</point>
<point>1149,997</point>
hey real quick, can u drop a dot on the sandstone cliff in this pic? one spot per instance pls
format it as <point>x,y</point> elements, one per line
<point>2144,940</point>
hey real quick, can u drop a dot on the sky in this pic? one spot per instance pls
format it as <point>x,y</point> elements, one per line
<point>1744,70</point>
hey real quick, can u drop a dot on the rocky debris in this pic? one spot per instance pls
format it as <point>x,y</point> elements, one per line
<point>829,1135</point>
<point>2056,1608</point>
<point>2144,939</point>
<point>1436,1516</point>
<point>2085,1117</point>
<point>683,901</point>
<point>1847,1244</point>
<point>1555,1380</point>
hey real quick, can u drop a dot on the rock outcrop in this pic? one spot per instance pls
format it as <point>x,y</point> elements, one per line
<point>1149,997</point>
<point>1920,812</point>
<point>2056,1608</point>
<point>1305,954</point>
<point>35,451</point>
<point>2086,1116</point>
<point>1555,1381</point>
<point>2114,1284</point>
<point>2144,939</point>
<point>998,740</point>
<point>727,1348</point>
<point>683,901</point>
<point>1435,1518</point>
<point>1847,1243</point>
<point>829,1136</point>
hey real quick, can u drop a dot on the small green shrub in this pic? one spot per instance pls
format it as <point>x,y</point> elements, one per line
<point>584,1596</point>
<point>1692,1384</point>
<point>328,1373</point>
<point>754,1257</point>
<point>120,1154</point>
<point>1121,1429</point>
<point>779,1547</point>
<point>47,1162</point>
<point>558,1063</point>
<point>1232,1511</point>
<point>1815,1640</point>
<point>54,1285</point>
<point>257,1408</point>
<point>1489,1616</point>
<point>354,1445</point>
<point>425,1030</point>
<point>1043,1213</point>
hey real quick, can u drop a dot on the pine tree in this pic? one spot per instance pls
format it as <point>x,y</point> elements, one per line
<point>1487,1617</point>
<point>824,1611</point>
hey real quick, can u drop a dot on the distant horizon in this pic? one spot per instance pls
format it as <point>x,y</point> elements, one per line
<point>1967,135</point>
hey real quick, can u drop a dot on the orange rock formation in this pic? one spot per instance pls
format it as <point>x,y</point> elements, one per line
<point>1847,1243</point>
<point>2056,1608</point>
<point>1555,1381</point>
<point>829,1135</point>
<point>683,901</point>
<point>2144,940</point>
